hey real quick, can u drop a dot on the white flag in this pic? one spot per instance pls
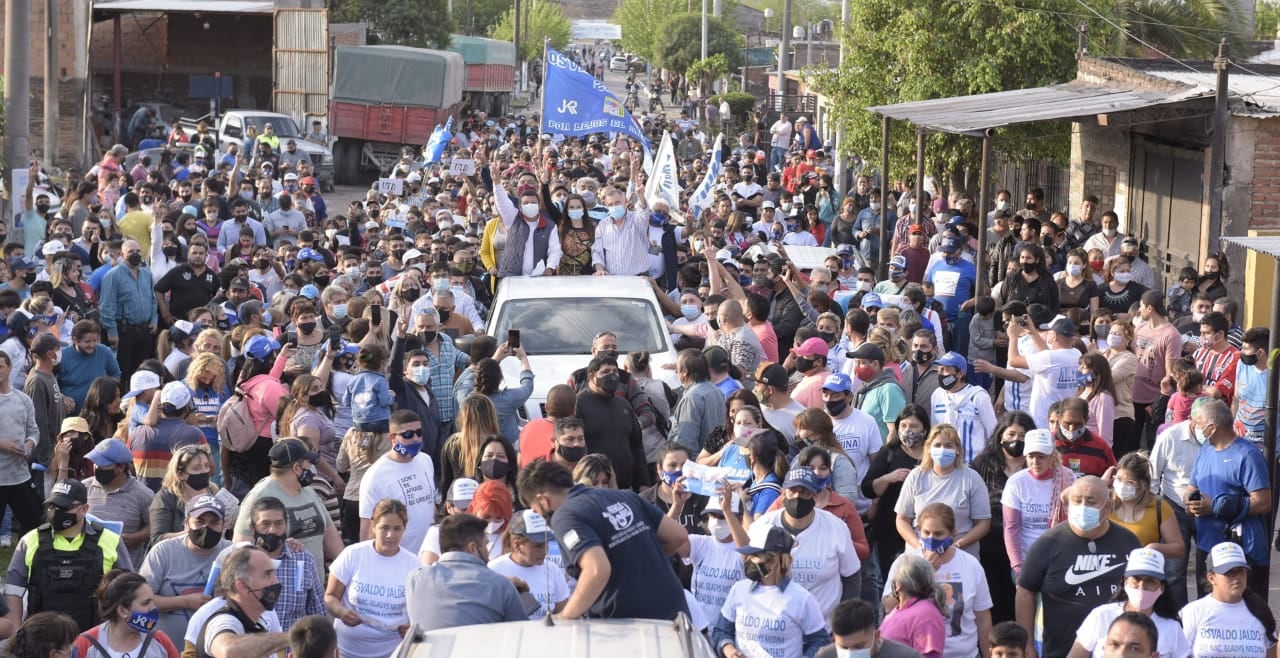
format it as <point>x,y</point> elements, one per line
<point>664,185</point>
<point>701,199</point>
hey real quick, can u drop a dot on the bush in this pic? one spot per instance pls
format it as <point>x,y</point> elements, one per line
<point>739,102</point>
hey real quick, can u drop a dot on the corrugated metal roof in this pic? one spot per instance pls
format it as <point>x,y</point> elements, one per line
<point>1251,94</point>
<point>1267,244</point>
<point>188,6</point>
<point>979,112</point>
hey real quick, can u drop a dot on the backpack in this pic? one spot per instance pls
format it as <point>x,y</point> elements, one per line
<point>235,425</point>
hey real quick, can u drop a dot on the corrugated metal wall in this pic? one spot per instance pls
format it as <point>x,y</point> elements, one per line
<point>300,76</point>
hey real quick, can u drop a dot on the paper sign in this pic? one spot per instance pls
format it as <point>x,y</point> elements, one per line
<point>397,221</point>
<point>462,167</point>
<point>391,186</point>
<point>705,480</point>
<point>807,258</point>
<point>17,193</point>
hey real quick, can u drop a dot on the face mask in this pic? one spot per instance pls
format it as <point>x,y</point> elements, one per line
<point>669,477</point>
<point>1109,232</point>
<point>853,653</point>
<point>144,622</point>
<point>714,323</point>
<point>657,219</point>
<point>1075,269</point>
<point>1211,276</point>
<point>61,519</point>
<point>690,311</point>
<point>1126,491</point>
<point>1073,435</point>
<point>204,538</point>
<point>104,476</point>
<point>875,206</point>
<point>339,311</point>
<point>576,213</point>
<point>1114,341</point>
<point>947,381</point>
<point>609,384</point>
<point>836,407</point>
<point>617,212</point>
<point>529,210</point>
<point>913,208</point>
<point>307,327</point>
<point>269,595</point>
<point>1200,436</point>
<point>1085,379</point>
<point>911,438</point>
<point>1028,267</point>
<point>921,356</point>
<point>1101,330</point>
<point>865,373</point>
<point>134,259</point>
<point>430,336</point>
<point>1084,517</point>
<point>799,508</point>
<point>1197,316</point>
<point>827,337</point>
<point>409,450</point>
<point>268,542</point>
<point>494,527</point>
<point>306,477</point>
<point>1142,599</point>
<point>1014,448</point>
<point>420,375</point>
<point>755,571</point>
<point>936,545</point>
<point>803,364</point>
<point>897,275</point>
<point>719,529</point>
<point>943,457</point>
<point>493,469</point>
<point>571,454</point>
<point>1123,277</point>
<point>1249,359</point>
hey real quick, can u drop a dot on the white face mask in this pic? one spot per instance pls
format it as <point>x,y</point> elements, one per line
<point>1123,277</point>
<point>853,653</point>
<point>718,529</point>
<point>1126,491</point>
<point>494,527</point>
<point>1003,205</point>
<point>529,210</point>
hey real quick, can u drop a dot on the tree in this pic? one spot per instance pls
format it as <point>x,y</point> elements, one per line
<point>475,17</point>
<point>1179,28</point>
<point>417,23</point>
<point>642,20</point>
<point>546,21</point>
<point>681,43</point>
<point>1266,21</point>
<point>803,12</point>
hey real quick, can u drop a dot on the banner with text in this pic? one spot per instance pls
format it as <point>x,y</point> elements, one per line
<point>575,103</point>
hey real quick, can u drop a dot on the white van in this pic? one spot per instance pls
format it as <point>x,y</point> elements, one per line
<point>581,638</point>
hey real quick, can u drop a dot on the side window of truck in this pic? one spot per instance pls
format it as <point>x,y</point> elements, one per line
<point>233,129</point>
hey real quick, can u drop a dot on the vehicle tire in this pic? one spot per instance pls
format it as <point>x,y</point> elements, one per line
<point>347,162</point>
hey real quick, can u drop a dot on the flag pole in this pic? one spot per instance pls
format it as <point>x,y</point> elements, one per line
<point>542,118</point>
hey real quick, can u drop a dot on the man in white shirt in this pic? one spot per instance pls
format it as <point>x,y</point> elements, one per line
<point>1109,238</point>
<point>403,473</point>
<point>780,139</point>
<point>1054,368</point>
<point>622,240</point>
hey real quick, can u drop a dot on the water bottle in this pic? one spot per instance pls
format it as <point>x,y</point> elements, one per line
<point>214,574</point>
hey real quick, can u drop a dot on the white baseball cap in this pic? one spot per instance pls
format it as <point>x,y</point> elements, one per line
<point>176,394</point>
<point>1040,442</point>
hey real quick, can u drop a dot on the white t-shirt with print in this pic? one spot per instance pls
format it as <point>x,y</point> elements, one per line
<point>771,621</point>
<point>1223,630</point>
<point>412,483</point>
<point>1170,642</point>
<point>1054,376</point>
<point>375,590</point>
<point>546,582</point>
<point>859,435</point>
<point>965,583</point>
<point>716,567</point>
<point>1033,498</point>
<point>823,554</point>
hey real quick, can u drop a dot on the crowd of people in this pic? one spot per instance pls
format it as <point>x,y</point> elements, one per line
<point>242,421</point>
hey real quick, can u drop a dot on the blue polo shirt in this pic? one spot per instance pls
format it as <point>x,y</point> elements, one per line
<point>1235,470</point>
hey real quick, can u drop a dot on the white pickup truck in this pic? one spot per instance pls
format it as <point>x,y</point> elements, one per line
<point>231,126</point>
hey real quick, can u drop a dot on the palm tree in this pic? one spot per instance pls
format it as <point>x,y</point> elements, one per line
<point>1178,28</point>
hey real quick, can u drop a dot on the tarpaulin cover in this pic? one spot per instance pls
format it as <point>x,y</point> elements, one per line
<point>479,50</point>
<point>397,75</point>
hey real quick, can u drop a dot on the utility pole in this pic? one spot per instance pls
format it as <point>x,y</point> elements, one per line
<point>515,31</point>
<point>808,44</point>
<point>715,8</point>
<point>50,82</point>
<point>704,29</point>
<point>17,92</point>
<point>1218,152</point>
<point>784,54</point>
<point>838,156</point>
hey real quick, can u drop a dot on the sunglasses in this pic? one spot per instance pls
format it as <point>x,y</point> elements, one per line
<point>408,434</point>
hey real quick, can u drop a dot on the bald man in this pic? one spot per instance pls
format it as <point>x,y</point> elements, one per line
<point>1074,566</point>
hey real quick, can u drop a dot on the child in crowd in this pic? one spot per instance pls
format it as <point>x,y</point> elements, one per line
<point>982,336</point>
<point>369,395</point>
<point>1178,298</point>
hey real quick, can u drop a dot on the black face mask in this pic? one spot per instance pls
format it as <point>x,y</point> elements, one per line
<point>268,542</point>
<point>198,481</point>
<point>493,469</point>
<point>608,384</point>
<point>204,538</point>
<point>714,323</point>
<point>921,356</point>
<point>410,295</point>
<point>306,477</point>
<point>322,280</point>
<point>827,337</point>
<point>799,508</point>
<point>262,263</point>
<point>29,278</point>
<point>1030,267</point>
<point>269,595</point>
<point>803,364</point>
<point>134,259</point>
<point>105,476</point>
<point>836,407</point>
<point>1249,359</point>
<point>170,252</point>
<point>571,454</point>
<point>444,315</point>
<point>321,399</point>
<point>430,336</point>
<point>59,518</point>
<point>947,381</point>
<point>42,208</point>
<point>1014,448</point>
<point>373,280</point>
<point>307,327</point>
<point>755,571</point>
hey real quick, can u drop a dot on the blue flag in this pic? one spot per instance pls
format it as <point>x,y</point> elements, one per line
<point>440,138</point>
<point>575,103</point>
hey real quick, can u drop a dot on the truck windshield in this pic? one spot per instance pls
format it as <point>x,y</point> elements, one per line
<point>556,325</point>
<point>283,126</point>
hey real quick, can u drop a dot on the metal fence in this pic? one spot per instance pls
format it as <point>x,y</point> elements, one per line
<point>1019,176</point>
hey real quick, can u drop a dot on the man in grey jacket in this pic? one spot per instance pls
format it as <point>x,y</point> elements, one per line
<point>701,406</point>
<point>460,589</point>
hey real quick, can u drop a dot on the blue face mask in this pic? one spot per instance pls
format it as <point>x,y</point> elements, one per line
<point>144,622</point>
<point>617,212</point>
<point>944,457</point>
<point>266,318</point>
<point>1084,517</point>
<point>339,311</point>
<point>935,545</point>
<point>669,477</point>
<point>1084,378</point>
<point>407,449</point>
<point>689,311</point>
<point>897,275</point>
<point>744,280</point>
<point>823,482</point>
<point>657,219</point>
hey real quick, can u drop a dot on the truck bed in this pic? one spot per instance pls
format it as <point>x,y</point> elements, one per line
<point>490,78</point>
<point>397,124</point>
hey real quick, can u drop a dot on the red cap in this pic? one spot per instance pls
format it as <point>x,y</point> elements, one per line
<point>307,180</point>
<point>916,228</point>
<point>811,153</point>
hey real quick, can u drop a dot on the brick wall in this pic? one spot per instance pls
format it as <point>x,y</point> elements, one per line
<point>1100,181</point>
<point>1264,192</point>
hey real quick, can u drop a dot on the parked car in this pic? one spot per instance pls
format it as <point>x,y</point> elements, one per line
<point>559,317</point>
<point>618,63</point>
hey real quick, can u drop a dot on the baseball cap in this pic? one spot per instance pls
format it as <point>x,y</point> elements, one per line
<point>530,525</point>
<point>287,452</point>
<point>239,283</point>
<point>308,180</point>
<point>899,262</point>
<point>291,176</point>
<point>810,153</point>
<point>372,226</point>
<point>462,491</point>
<point>176,395</point>
<point>22,263</point>
<point>767,204</point>
<point>803,478</point>
<point>844,249</point>
<point>772,374</point>
<point>771,538</point>
<point>141,382</point>
<point>837,382</point>
<point>110,452</point>
<point>310,254</point>
<point>1038,441</point>
<point>1226,556</point>
<point>950,244</point>
<point>1063,327</point>
<point>74,424</point>
<point>916,228</point>
<point>190,210</point>
<point>811,347</point>
<point>206,503</point>
<point>414,177</point>
<point>1145,562</point>
<point>952,360</point>
<point>310,291</point>
<point>260,347</point>
<point>716,357</point>
<point>872,300</point>
<point>68,493</point>
<point>410,255</point>
<point>53,247</point>
<point>869,351</point>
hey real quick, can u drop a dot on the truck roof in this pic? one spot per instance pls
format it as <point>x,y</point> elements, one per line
<point>398,75</point>
<point>479,50</point>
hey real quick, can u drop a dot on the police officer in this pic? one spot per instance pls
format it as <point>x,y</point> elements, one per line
<point>56,564</point>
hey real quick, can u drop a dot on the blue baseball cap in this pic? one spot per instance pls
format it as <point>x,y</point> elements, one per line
<point>899,262</point>
<point>261,347</point>
<point>803,478</point>
<point>110,452</point>
<point>310,291</point>
<point>872,300</point>
<point>21,263</point>
<point>952,360</point>
<point>838,382</point>
<point>950,244</point>
<point>310,254</point>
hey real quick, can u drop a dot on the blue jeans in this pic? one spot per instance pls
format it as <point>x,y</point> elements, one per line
<point>777,156</point>
<point>872,582</point>
<point>1175,570</point>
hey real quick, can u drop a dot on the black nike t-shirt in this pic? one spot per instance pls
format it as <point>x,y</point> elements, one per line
<point>641,581</point>
<point>1074,575</point>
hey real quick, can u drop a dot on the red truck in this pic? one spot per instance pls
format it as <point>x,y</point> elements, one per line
<point>491,72</point>
<point>386,98</point>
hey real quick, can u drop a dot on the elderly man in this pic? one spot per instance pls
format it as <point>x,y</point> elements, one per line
<point>1073,567</point>
<point>243,623</point>
<point>699,410</point>
<point>622,240</point>
<point>128,309</point>
<point>1229,493</point>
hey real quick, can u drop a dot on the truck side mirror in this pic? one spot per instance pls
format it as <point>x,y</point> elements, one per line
<point>234,132</point>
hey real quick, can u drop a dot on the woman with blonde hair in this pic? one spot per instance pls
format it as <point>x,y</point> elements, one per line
<point>942,477</point>
<point>460,456</point>
<point>212,341</point>
<point>188,475</point>
<point>893,346</point>
<point>69,289</point>
<point>595,470</point>
<point>207,379</point>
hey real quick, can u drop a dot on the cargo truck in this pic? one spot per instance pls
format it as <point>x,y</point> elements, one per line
<point>491,72</point>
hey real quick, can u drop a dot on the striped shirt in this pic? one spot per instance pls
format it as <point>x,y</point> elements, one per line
<point>1219,370</point>
<point>623,248</point>
<point>153,447</point>
<point>969,411</point>
<point>127,299</point>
